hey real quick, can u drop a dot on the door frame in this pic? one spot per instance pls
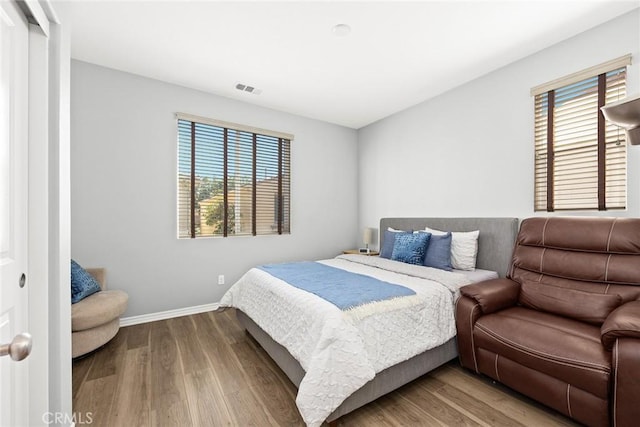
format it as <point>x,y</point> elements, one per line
<point>37,224</point>
<point>49,218</point>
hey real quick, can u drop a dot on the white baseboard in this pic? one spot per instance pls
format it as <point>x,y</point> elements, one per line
<point>169,314</point>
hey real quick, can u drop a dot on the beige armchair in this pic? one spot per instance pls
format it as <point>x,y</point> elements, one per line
<point>96,319</point>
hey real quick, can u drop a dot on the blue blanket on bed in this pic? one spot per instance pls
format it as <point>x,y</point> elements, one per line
<point>341,288</point>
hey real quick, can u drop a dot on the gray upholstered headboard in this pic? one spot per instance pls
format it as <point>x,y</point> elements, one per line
<point>495,242</point>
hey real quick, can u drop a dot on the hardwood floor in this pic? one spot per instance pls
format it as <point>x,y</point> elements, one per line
<point>204,370</point>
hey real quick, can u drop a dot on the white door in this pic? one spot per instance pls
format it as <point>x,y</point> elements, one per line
<point>14,50</point>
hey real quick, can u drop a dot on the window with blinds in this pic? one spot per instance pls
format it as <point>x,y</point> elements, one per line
<point>232,180</point>
<point>580,159</point>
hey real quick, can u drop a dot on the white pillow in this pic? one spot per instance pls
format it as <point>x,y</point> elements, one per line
<point>464,248</point>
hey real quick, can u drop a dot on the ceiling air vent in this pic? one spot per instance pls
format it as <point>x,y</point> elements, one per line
<point>247,88</point>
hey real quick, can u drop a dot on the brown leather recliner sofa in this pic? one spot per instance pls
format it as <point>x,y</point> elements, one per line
<point>564,327</point>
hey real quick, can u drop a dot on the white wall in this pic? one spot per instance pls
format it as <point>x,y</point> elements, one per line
<point>469,152</point>
<point>123,197</point>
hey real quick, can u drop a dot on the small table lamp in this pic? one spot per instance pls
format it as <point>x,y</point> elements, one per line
<point>367,237</point>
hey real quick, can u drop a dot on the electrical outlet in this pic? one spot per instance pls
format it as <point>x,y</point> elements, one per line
<point>221,279</point>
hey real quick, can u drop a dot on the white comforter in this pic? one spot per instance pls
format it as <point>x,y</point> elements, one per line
<point>341,351</point>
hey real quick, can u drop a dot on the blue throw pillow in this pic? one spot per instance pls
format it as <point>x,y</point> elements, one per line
<point>439,252</point>
<point>389,241</point>
<point>83,284</point>
<point>411,248</point>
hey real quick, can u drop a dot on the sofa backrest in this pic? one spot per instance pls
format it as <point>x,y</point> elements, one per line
<point>599,255</point>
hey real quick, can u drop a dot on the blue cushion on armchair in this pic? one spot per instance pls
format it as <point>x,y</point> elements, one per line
<point>83,283</point>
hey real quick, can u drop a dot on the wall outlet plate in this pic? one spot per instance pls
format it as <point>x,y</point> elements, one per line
<point>221,279</point>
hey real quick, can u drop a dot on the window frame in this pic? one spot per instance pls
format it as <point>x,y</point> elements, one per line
<point>262,144</point>
<point>545,127</point>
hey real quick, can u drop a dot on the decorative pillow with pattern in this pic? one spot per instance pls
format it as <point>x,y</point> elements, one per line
<point>410,247</point>
<point>83,283</point>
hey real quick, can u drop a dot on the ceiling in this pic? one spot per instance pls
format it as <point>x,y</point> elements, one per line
<point>398,54</point>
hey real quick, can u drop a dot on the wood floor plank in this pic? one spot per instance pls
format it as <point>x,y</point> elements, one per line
<point>168,398</point>
<point>206,400</point>
<point>253,368</point>
<point>106,358</point>
<point>270,392</point>
<point>228,325</point>
<point>372,414</point>
<point>465,404</point>
<point>80,368</point>
<point>132,400</point>
<point>224,364</point>
<point>138,335</point>
<point>95,399</point>
<point>285,382</point>
<point>247,410</point>
<point>406,413</point>
<point>443,411</point>
<point>191,354</point>
<point>173,414</point>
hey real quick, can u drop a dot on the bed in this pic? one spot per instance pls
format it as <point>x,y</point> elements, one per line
<point>364,368</point>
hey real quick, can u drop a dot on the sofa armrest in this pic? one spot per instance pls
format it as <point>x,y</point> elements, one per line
<point>476,300</point>
<point>625,359</point>
<point>101,276</point>
<point>493,295</point>
<point>467,313</point>
<point>624,321</point>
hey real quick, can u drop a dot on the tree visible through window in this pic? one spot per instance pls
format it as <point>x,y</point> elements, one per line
<point>231,181</point>
<point>580,159</point>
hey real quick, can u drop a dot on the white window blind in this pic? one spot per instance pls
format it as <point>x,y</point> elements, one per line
<point>580,159</point>
<point>231,182</point>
